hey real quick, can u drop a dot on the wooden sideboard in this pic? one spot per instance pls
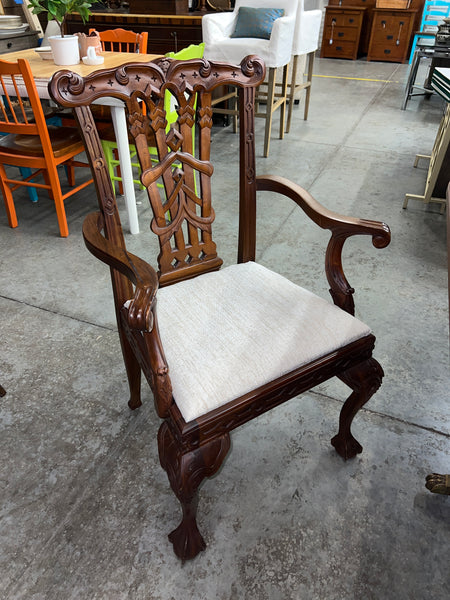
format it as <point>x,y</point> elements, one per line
<point>355,28</point>
<point>166,33</point>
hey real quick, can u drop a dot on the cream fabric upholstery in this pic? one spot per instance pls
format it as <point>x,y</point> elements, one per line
<point>275,52</point>
<point>229,332</point>
<point>307,28</point>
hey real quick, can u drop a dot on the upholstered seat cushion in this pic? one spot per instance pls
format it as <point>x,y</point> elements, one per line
<point>229,332</point>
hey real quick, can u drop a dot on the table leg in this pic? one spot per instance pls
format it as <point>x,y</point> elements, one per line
<point>120,129</point>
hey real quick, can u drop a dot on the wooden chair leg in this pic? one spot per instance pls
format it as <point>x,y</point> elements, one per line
<point>186,470</point>
<point>70,172</point>
<point>291,94</point>
<point>132,367</point>
<point>8,199</point>
<point>269,109</point>
<point>52,179</point>
<point>364,380</point>
<point>32,192</point>
<point>308,83</point>
<point>284,85</point>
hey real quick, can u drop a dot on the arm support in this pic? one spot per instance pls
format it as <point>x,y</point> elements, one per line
<point>341,228</point>
<point>140,273</point>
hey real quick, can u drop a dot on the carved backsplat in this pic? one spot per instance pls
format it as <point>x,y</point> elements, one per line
<point>178,180</point>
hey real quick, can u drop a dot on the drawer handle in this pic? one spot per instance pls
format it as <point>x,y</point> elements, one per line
<point>338,47</point>
<point>389,37</point>
<point>340,34</point>
<point>9,44</point>
<point>387,51</point>
<point>383,24</point>
<point>397,41</point>
<point>175,37</point>
<point>333,23</point>
<point>351,20</point>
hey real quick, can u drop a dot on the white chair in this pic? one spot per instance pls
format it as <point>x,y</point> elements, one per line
<point>276,52</point>
<point>306,42</point>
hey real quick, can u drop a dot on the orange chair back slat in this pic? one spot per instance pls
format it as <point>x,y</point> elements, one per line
<point>122,40</point>
<point>18,76</point>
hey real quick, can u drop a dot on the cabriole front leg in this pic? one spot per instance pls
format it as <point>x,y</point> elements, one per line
<point>186,471</point>
<point>364,380</point>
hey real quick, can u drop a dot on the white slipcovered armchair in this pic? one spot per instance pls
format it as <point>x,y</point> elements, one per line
<point>306,41</point>
<point>276,51</point>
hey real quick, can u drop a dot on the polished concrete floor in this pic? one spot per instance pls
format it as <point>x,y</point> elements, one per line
<point>85,508</point>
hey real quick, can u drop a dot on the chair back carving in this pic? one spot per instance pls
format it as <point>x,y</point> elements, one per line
<point>182,215</point>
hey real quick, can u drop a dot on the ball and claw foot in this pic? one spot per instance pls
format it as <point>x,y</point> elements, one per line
<point>347,447</point>
<point>438,484</point>
<point>187,541</point>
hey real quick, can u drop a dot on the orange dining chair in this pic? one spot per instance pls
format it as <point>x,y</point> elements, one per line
<point>122,40</point>
<point>31,142</point>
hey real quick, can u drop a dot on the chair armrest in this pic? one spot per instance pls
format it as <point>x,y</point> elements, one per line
<point>307,38</point>
<point>218,26</point>
<point>139,272</point>
<point>281,40</point>
<point>341,228</point>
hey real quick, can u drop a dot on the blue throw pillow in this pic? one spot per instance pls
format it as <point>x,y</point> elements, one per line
<point>256,22</point>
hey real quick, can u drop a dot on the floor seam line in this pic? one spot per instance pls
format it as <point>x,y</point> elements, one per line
<point>387,416</point>
<point>54,312</point>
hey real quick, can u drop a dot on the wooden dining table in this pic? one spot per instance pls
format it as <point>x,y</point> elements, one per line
<point>43,70</point>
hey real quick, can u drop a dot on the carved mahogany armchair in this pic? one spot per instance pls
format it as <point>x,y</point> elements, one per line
<point>218,347</point>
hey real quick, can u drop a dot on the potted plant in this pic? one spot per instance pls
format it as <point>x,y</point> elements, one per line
<point>64,47</point>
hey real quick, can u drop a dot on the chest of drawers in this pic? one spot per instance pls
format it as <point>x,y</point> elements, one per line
<point>29,39</point>
<point>390,34</point>
<point>342,32</point>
